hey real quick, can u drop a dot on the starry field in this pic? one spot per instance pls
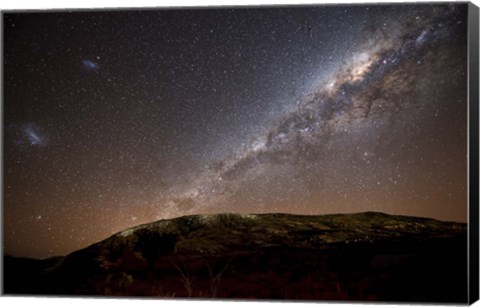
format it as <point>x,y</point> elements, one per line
<point>118,118</point>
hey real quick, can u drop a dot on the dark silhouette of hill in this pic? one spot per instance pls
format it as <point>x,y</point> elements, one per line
<point>362,257</point>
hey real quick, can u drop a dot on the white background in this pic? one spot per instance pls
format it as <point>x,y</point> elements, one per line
<point>74,302</point>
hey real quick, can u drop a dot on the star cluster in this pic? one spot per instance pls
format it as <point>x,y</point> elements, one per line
<point>116,118</point>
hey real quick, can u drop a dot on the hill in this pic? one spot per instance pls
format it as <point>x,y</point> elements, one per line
<point>361,257</point>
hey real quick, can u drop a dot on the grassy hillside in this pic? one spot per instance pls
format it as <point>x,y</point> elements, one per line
<point>362,257</point>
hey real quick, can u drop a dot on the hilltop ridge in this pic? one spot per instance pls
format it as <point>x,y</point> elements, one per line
<point>361,256</point>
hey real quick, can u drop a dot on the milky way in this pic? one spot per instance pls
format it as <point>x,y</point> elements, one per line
<point>158,114</point>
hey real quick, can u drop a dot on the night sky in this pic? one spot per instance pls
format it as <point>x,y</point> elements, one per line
<point>113,119</point>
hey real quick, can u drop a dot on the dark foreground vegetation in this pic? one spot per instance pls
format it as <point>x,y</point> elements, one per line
<point>360,257</point>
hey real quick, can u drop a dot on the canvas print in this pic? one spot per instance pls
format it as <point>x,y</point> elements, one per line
<point>314,153</point>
